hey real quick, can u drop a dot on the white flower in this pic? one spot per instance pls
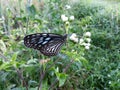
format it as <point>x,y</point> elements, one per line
<point>67,23</point>
<point>109,82</point>
<point>85,44</point>
<point>81,41</point>
<point>64,18</point>
<point>108,75</point>
<point>74,38</point>
<point>35,25</point>
<point>67,6</point>
<point>87,47</point>
<point>88,40</point>
<point>3,18</point>
<point>87,34</point>
<point>73,35</point>
<point>72,17</point>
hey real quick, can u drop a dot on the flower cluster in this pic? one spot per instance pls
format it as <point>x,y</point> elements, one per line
<point>74,38</point>
<point>84,41</point>
<point>67,6</point>
<point>64,17</point>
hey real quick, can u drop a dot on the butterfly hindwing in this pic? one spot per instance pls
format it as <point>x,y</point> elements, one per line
<point>52,47</point>
<point>48,44</point>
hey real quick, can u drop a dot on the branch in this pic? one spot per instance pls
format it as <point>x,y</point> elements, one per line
<point>56,80</point>
<point>42,75</point>
<point>22,78</point>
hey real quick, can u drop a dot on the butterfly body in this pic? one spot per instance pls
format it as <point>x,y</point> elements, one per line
<point>48,44</point>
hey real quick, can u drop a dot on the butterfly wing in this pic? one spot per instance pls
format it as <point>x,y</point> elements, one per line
<point>48,44</point>
<point>52,47</point>
<point>35,40</point>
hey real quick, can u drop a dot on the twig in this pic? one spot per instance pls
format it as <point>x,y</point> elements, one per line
<point>22,78</point>
<point>66,68</point>
<point>42,75</point>
<point>56,80</point>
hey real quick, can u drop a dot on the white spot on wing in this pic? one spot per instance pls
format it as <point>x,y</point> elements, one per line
<point>33,35</point>
<point>44,34</point>
<point>38,34</point>
<point>33,39</point>
<point>35,45</point>
<point>44,42</point>
<point>40,40</point>
<point>47,38</point>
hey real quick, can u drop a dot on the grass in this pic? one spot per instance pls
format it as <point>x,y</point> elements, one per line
<point>74,68</point>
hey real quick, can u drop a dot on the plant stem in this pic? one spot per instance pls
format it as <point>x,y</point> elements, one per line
<point>22,78</point>
<point>56,80</point>
<point>42,74</point>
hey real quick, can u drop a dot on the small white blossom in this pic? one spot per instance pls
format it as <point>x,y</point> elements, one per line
<point>87,47</point>
<point>87,34</point>
<point>88,44</point>
<point>74,38</point>
<point>73,35</point>
<point>88,40</point>
<point>67,6</point>
<point>35,25</point>
<point>108,75</point>
<point>109,82</point>
<point>67,23</point>
<point>72,17</point>
<point>64,18</point>
<point>85,44</point>
<point>3,18</point>
<point>73,50</point>
<point>81,41</point>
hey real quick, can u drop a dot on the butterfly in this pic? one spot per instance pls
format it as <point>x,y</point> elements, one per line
<point>48,44</point>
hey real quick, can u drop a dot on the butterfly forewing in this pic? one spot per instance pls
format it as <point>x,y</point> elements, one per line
<point>48,44</point>
<point>35,40</point>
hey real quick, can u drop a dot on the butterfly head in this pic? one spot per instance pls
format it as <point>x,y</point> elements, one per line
<point>65,36</point>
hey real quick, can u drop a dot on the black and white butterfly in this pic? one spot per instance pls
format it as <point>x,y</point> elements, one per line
<point>48,44</point>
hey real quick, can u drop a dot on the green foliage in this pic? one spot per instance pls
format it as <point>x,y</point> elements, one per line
<point>75,68</point>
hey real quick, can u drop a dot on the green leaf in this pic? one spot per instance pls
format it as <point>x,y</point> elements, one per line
<point>14,56</point>
<point>85,63</point>
<point>4,66</point>
<point>2,46</point>
<point>45,85</point>
<point>62,78</point>
<point>18,88</point>
<point>31,10</point>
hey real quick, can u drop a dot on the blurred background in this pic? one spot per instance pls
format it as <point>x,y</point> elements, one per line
<point>89,60</point>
